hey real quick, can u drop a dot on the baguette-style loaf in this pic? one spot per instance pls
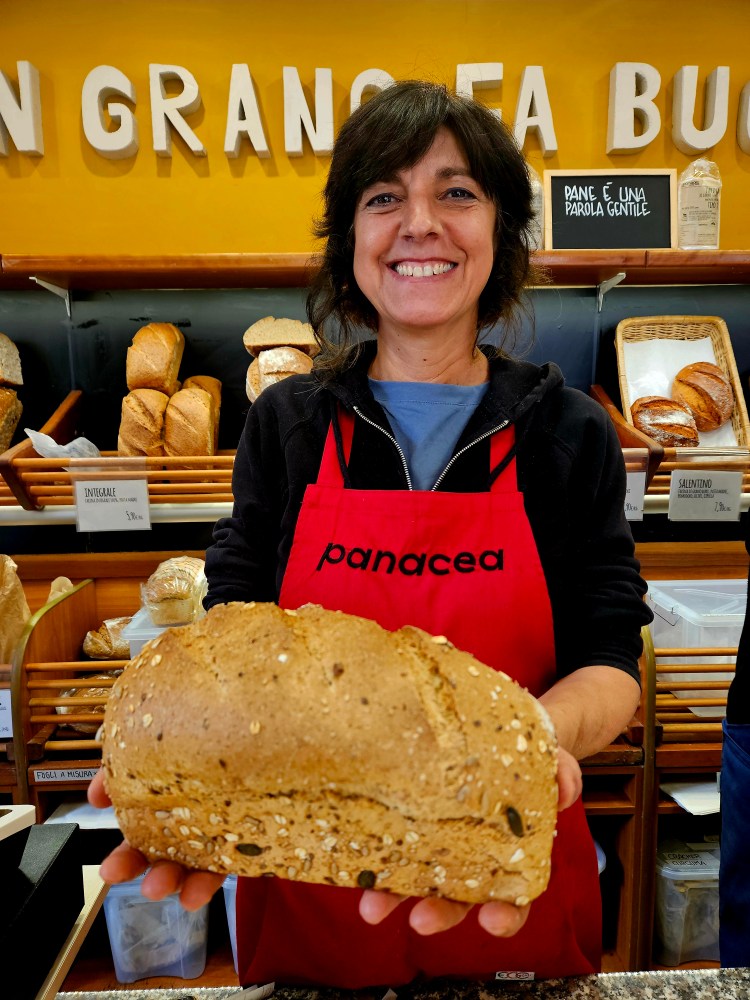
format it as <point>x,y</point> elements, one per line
<point>153,358</point>
<point>142,423</point>
<point>667,421</point>
<point>270,332</point>
<point>707,392</point>
<point>318,746</point>
<point>11,409</point>
<point>190,423</point>
<point>10,362</point>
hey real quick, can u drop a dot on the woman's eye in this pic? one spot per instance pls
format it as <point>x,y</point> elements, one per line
<point>380,201</point>
<point>460,194</point>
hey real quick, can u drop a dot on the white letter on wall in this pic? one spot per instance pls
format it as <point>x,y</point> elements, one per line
<point>297,113</point>
<point>102,83</point>
<point>533,111</point>
<point>632,89</point>
<point>369,81</point>
<point>168,109</point>
<point>686,136</point>
<point>743,120</point>
<point>478,76</point>
<point>21,119</point>
<point>243,115</point>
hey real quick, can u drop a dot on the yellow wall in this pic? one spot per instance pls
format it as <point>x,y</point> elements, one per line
<point>74,201</point>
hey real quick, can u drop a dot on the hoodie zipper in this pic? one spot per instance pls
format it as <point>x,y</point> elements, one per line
<point>390,437</point>
<point>458,454</point>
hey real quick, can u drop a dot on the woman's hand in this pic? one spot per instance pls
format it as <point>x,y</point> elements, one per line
<point>165,877</point>
<point>430,916</point>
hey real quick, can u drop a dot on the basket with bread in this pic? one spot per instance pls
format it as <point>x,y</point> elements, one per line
<point>679,382</point>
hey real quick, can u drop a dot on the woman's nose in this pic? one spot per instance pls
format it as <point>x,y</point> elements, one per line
<point>419,218</point>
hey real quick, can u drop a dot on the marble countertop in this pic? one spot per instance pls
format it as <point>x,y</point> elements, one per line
<point>698,984</point>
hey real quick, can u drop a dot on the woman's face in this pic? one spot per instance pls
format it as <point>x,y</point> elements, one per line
<point>424,243</point>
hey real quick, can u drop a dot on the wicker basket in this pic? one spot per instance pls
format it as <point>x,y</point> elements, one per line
<point>642,328</point>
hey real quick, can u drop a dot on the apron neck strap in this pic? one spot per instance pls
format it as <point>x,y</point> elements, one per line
<point>334,469</point>
<point>334,466</point>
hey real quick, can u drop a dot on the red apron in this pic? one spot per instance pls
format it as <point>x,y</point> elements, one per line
<point>463,565</point>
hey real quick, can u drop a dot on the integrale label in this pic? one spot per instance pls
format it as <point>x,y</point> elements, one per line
<point>372,560</point>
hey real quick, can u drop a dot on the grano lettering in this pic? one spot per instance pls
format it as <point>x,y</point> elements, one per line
<point>410,563</point>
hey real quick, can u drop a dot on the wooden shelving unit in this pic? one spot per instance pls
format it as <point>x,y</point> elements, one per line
<point>256,270</point>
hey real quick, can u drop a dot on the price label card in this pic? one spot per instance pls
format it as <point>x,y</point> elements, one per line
<point>704,496</point>
<point>6,719</point>
<point>635,490</point>
<point>112,505</point>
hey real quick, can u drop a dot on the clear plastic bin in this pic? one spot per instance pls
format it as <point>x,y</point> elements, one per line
<point>139,630</point>
<point>697,613</point>
<point>230,902</point>
<point>687,903</point>
<point>154,938</point>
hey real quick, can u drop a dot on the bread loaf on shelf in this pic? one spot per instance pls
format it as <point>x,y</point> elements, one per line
<point>96,698</point>
<point>10,362</point>
<point>667,421</point>
<point>273,365</point>
<point>271,332</point>
<point>11,409</point>
<point>318,746</point>
<point>707,392</point>
<point>153,358</point>
<point>190,423</point>
<point>174,591</point>
<point>142,423</point>
<point>213,387</point>
<point>107,642</point>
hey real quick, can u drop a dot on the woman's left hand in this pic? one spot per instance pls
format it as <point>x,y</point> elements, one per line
<point>430,916</point>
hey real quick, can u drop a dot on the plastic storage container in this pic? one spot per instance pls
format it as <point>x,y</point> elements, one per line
<point>687,903</point>
<point>694,613</point>
<point>154,938</point>
<point>139,630</point>
<point>230,902</point>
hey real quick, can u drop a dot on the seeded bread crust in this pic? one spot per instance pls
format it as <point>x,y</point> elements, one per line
<point>317,746</point>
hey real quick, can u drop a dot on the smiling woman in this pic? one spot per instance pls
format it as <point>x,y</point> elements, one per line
<point>419,479</point>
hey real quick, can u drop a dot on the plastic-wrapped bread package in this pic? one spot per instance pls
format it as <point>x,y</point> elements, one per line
<point>173,593</point>
<point>107,641</point>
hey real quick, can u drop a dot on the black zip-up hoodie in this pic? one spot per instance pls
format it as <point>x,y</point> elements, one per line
<point>570,471</point>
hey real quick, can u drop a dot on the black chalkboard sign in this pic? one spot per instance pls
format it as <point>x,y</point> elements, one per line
<point>609,209</point>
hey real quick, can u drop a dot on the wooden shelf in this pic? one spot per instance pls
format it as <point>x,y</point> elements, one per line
<point>259,270</point>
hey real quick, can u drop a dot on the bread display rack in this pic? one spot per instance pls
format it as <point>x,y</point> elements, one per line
<point>36,483</point>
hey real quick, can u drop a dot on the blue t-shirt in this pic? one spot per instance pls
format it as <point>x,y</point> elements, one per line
<point>427,419</point>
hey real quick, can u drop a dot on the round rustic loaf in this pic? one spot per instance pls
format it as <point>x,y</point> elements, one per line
<point>707,392</point>
<point>315,745</point>
<point>667,421</point>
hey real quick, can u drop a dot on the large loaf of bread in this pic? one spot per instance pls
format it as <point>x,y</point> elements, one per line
<point>317,746</point>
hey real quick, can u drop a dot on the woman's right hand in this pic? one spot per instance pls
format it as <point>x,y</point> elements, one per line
<point>164,878</point>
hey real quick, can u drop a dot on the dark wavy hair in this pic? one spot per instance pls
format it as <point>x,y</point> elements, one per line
<point>390,133</point>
